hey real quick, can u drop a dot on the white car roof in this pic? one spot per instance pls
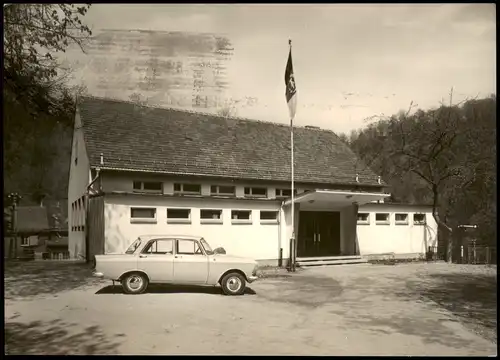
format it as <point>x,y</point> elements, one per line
<point>163,236</point>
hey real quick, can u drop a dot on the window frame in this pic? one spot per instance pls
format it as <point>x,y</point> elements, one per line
<point>203,253</point>
<point>150,242</point>
<point>179,220</point>
<point>241,221</point>
<point>401,222</point>
<point>363,222</point>
<point>25,241</point>
<point>424,222</point>
<point>218,193</point>
<point>383,222</point>
<point>285,196</point>
<point>142,190</point>
<point>220,220</point>
<point>142,220</point>
<point>252,195</point>
<point>269,221</point>
<point>184,192</point>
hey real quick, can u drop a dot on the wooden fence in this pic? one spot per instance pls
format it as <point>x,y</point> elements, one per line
<point>472,254</point>
<point>479,255</point>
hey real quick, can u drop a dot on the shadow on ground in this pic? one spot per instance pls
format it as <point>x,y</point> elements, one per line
<point>470,297</point>
<point>54,338</point>
<point>171,289</point>
<point>35,278</point>
<point>382,299</point>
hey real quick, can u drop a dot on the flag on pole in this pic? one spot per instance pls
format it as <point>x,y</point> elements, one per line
<point>291,90</point>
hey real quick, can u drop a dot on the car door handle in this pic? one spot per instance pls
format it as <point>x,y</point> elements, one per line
<point>143,256</point>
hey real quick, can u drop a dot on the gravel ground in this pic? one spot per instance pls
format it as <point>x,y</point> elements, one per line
<point>411,309</point>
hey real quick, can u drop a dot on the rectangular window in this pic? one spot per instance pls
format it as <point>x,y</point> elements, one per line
<point>148,186</point>
<point>189,189</point>
<point>401,219</point>
<point>25,241</point>
<point>182,216</point>
<point>222,190</point>
<point>241,216</point>
<point>160,247</point>
<point>188,247</point>
<point>255,192</point>
<point>419,219</point>
<point>269,217</point>
<point>143,215</point>
<point>209,216</point>
<point>285,192</point>
<point>364,218</point>
<point>152,186</point>
<point>382,219</point>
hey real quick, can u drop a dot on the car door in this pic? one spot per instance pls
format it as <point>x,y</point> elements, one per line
<point>157,260</point>
<point>190,263</point>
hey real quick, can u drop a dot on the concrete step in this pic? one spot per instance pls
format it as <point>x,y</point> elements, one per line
<point>332,262</point>
<point>327,258</point>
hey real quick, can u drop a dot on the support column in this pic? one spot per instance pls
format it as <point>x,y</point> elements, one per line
<point>348,230</point>
<point>293,243</point>
<point>296,226</point>
<point>354,240</point>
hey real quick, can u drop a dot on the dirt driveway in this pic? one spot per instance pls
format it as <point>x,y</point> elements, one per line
<point>347,310</point>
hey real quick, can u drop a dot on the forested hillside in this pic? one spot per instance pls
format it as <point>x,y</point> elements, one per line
<point>38,103</point>
<point>444,156</point>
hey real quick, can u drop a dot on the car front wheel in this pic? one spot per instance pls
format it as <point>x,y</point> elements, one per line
<point>233,284</point>
<point>135,283</point>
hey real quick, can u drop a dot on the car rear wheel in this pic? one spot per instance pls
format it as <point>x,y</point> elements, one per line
<point>233,284</point>
<point>134,283</point>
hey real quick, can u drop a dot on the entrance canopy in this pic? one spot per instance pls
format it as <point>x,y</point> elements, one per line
<point>339,198</point>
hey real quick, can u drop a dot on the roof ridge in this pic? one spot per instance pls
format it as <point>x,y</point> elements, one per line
<point>238,118</point>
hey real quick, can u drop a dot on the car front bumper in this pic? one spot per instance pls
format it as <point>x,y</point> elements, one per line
<point>98,274</point>
<point>252,278</point>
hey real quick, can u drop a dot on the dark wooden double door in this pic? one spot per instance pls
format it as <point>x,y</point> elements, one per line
<point>319,234</point>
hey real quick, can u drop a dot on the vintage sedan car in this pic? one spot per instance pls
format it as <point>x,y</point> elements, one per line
<point>172,259</point>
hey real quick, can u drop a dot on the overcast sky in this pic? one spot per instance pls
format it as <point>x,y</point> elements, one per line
<point>384,56</point>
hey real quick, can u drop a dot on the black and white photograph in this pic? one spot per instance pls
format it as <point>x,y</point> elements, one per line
<point>250,179</point>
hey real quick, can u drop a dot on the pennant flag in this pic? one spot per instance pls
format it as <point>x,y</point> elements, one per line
<point>291,90</point>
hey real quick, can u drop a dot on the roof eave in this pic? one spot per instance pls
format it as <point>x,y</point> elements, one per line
<point>173,173</point>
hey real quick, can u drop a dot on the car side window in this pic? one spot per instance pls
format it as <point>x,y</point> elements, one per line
<point>188,247</point>
<point>160,247</point>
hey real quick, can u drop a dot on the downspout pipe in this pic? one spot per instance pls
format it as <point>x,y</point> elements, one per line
<point>98,170</point>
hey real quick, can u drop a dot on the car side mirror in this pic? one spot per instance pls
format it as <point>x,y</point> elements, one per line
<point>219,250</point>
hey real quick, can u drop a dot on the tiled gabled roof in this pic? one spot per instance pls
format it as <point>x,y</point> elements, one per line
<point>132,137</point>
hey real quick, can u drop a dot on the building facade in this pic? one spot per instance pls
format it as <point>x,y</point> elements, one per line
<point>137,171</point>
<point>404,230</point>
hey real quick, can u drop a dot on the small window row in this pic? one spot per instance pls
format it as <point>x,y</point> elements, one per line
<point>77,214</point>
<point>215,190</point>
<point>207,216</point>
<point>385,219</point>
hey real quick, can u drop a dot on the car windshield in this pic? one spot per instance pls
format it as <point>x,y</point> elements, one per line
<point>207,247</point>
<point>133,247</point>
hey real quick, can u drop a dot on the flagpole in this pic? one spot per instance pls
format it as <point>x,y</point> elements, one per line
<point>292,256</point>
